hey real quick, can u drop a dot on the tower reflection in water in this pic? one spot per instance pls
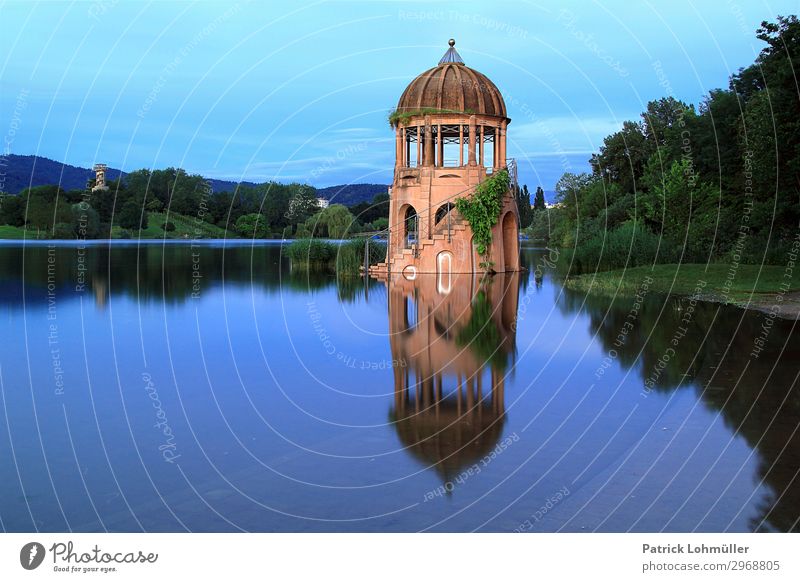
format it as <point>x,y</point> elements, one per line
<point>454,338</point>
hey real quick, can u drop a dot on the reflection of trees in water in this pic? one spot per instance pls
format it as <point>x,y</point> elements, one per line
<point>758,397</point>
<point>453,344</point>
<point>155,272</point>
<point>655,324</point>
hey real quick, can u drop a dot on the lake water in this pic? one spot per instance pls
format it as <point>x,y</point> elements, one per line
<point>211,388</point>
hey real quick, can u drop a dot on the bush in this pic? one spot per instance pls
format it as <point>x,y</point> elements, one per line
<point>629,245</point>
<point>310,253</point>
<point>132,215</point>
<point>85,221</point>
<point>345,258</point>
<point>63,230</point>
<point>350,256</point>
<point>168,226</point>
<point>252,225</point>
<point>12,210</point>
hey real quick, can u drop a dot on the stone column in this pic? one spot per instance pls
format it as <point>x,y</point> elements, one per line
<point>419,145</point>
<point>503,126</point>
<point>460,144</point>
<point>398,148</point>
<point>406,153</point>
<point>471,160</point>
<point>496,151</point>
<point>439,146</point>
<point>482,159</point>
<point>427,150</point>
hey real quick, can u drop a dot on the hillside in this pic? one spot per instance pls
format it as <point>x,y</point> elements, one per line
<point>19,172</point>
<point>351,194</point>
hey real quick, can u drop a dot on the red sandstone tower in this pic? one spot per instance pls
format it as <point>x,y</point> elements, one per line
<point>450,126</point>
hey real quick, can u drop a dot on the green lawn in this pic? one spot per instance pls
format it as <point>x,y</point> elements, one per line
<point>185,228</point>
<point>16,233</point>
<point>11,232</point>
<point>722,282</point>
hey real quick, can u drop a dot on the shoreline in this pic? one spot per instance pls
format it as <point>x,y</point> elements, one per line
<point>769,289</point>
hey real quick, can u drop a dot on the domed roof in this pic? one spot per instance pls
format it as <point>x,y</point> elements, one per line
<point>453,86</point>
<point>450,438</point>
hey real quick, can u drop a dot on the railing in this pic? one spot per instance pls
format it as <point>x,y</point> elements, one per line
<point>511,164</point>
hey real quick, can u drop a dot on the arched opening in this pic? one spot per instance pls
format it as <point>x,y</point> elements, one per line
<point>441,212</point>
<point>510,242</point>
<point>410,226</point>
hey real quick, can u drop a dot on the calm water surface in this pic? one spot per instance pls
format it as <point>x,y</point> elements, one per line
<point>210,388</point>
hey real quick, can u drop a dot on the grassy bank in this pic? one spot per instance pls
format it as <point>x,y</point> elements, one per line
<point>738,284</point>
<point>15,232</point>
<point>185,227</point>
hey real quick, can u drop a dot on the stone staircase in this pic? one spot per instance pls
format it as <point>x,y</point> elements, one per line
<point>457,225</point>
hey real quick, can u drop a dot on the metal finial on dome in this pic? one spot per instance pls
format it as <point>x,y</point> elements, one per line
<point>451,56</point>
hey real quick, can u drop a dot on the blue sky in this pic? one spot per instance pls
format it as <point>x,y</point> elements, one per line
<point>300,91</point>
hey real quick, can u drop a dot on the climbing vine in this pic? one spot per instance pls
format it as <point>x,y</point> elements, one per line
<point>481,334</point>
<point>482,209</point>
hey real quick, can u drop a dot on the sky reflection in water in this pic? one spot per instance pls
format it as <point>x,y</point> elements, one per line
<point>257,398</point>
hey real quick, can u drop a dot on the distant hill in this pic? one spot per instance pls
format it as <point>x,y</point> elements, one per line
<point>226,185</point>
<point>351,194</point>
<point>19,172</point>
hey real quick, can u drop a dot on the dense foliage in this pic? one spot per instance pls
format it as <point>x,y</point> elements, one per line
<point>524,206</point>
<point>404,116</point>
<point>481,334</point>
<point>694,184</point>
<point>269,210</point>
<point>344,258</point>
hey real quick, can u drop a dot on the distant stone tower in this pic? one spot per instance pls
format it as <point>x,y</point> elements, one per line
<point>100,177</point>
<point>450,134</point>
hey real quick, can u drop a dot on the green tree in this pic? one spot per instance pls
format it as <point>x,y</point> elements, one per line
<point>132,215</point>
<point>664,120</point>
<point>524,206</point>
<point>85,221</point>
<point>302,204</point>
<point>687,179</point>
<point>622,156</point>
<point>538,200</point>
<point>680,209</point>
<point>370,211</point>
<point>12,210</point>
<point>46,207</point>
<point>335,221</point>
<point>104,201</point>
<point>275,207</point>
<point>252,226</point>
<point>381,223</point>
